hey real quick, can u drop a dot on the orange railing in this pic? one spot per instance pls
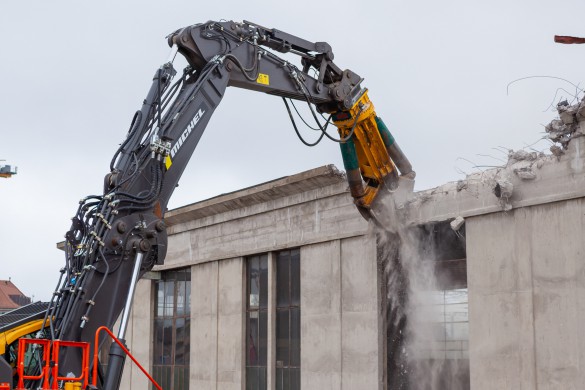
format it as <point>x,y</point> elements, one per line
<point>84,376</point>
<point>115,339</point>
<point>44,375</point>
<point>51,366</point>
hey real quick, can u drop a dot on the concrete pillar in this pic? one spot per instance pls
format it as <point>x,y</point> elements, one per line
<point>558,268</point>
<point>501,333</point>
<point>139,337</point>
<point>230,334</point>
<point>359,317</point>
<point>321,320</point>
<point>271,336</point>
<point>204,321</point>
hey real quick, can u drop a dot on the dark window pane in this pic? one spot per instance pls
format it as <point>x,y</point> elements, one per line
<point>188,298</point>
<point>252,378</point>
<point>295,337</point>
<point>264,281</point>
<point>262,338</point>
<point>282,338</point>
<point>167,354</point>
<point>295,277</point>
<point>282,379</point>
<point>278,378</point>
<point>295,378</point>
<point>158,341</point>
<point>262,378</point>
<point>282,279</point>
<point>253,282</point>
<point>180,341</point>
<point>252,339</point>
<point>187,341</point>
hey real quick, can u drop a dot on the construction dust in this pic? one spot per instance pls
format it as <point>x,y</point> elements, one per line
<point>416,360</point>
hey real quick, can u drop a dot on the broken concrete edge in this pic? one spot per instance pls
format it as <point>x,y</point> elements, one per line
<point>552,179</point>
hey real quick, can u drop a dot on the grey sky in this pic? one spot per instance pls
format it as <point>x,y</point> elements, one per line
<point>74,73</point>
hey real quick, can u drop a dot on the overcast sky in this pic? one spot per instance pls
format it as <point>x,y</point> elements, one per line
<point>74,72</point>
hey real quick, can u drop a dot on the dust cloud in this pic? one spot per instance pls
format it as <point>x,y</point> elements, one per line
<point>417,353</point>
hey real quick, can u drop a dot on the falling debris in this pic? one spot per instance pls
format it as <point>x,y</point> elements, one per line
<point>457,223</point>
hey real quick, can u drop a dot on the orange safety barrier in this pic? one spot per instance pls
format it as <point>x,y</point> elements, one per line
<point>84,376</point>
<point>4,386</point>
<point>95,356</point>
<point>22,343</point>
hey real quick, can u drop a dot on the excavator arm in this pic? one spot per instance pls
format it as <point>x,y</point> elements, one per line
<point>117,236</point>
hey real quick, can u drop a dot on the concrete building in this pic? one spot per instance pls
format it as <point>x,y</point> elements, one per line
<point>285,285</point>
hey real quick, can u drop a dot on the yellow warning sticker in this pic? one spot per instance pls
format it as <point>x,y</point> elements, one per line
<point>263,79</point>
<point>168,162</point>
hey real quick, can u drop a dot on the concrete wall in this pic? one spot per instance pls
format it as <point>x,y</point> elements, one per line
<point>339,318</point>
<point>139,337</point>
<point>526,275</point>
<point>339,295</point>
<point>339,327</point>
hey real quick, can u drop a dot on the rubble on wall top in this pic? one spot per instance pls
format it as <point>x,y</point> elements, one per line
<point>567,126</point>
<point>509,185</point>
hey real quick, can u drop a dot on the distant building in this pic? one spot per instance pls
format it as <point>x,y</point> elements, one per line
<point>11,297</point>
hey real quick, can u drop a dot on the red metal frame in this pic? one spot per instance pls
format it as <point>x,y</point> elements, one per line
<point>4,386</point>
<point>115,339</point>
<point>84,376</point>
<point>22,343</point>
<point>52,349</point>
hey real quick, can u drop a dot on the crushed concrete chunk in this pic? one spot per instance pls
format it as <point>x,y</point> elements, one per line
<point>567,112</point>
<point>525,173</point>
<point>457,223</point>
<point>557,150</point>
<point>521,155</point>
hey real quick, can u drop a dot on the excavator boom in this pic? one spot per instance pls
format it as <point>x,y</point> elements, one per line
<point>117,236</point>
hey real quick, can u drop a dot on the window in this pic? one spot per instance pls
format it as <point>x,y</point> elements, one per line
<point>172,329</point>
<point>256,322</point>
<point>288,320</point>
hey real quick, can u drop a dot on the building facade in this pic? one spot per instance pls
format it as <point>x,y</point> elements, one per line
<point>285,286</point>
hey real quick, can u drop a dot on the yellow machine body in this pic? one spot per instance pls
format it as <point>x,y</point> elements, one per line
<point>365,153</point>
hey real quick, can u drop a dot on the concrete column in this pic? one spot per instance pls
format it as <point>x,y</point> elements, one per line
<point>558,268</point>
<point>139,337</point>
<point>359,317</point>
<point>321,319</point>
<point>501,332</point>
<point>230,334</point>
<point>204,321</point>
<point>271,342</point>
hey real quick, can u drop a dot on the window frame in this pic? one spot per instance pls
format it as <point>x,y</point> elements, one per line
<point>177,313</point>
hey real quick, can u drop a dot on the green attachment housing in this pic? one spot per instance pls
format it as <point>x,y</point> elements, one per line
<point>384,132</point>
<point>349,155</point>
